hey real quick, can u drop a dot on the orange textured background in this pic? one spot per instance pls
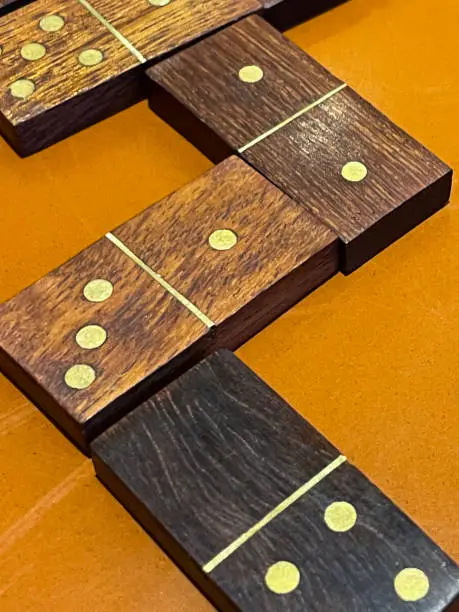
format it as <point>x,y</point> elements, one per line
<point>372,359</point>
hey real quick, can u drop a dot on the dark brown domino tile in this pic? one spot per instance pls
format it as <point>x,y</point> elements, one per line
<point>403,184</point>
<point>206,79</point>
<point>158,30</point>
<point>248,89</point>
<point>148,335</point>
<point>259,509</point>
<point>64,65</point>
<point>208,266</point>
<point>52,94</point>
<point>277,251</point>
<point>379,563</point>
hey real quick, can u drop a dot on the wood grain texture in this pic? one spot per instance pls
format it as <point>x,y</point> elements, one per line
<point>354,570</point>
<point>405,183</point>
<point>282,254</point>
<point>69,96</point>
<point>205,79</point>
<point>149,335</point>
<point>156,31</point>
<point>211,455</point>
<point>198,91</point>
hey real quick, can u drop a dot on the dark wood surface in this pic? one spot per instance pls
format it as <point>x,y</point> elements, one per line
<point>282,253</point>
<point>282,14</point>
<point>205,460</point>
<point>69,96</point>
<point>199,90</point>
<point>371,360</point>
<point>405,183</point>
<point>159,30</point>
<point>205,79</point>
<point>147,329</point>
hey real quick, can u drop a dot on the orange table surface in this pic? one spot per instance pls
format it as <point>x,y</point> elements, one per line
<point>371,359</point>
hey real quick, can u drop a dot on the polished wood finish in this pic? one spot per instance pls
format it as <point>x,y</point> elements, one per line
<point>237,111</point>
<point>201,463</point>
<point>149,334</point>
<point>69,96</point>
<point>199,91</point>
<point>281,254</point>
<point>377,349</point>
<point>158,30</point>
<point>405,183</point>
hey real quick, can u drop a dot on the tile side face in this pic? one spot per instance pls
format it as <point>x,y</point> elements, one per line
<point>259,508</point>
<point>371,558</point>
<point>286,14</point>
<point>40,327</point>
<point>91,339</point>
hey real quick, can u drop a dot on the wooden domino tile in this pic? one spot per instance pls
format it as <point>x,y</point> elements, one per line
<point>61,70</point>
<point>157,27</point>
<point>207,266</point>
<point>66,64</point>
<point>259,509</point>
<point>248,89</point>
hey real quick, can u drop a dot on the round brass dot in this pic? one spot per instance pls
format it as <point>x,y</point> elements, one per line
<point>411,584</point>
<point>98,290</point>
<point>223,239</point>
<point>91,336</point>
<point>33,51</point>
<point>250,74</point>
<point>159,2</point>
<point>354,171</point>
<point>22,88</point>
<point>80,376</point>
<point>90,57</point>
<point>282,577</point>
<point>340,516</point>
<point>52,23</point>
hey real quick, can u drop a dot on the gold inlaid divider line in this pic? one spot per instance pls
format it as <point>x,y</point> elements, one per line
<point>122,39</point>
<point>288,501</point>
<point>161,281</point>
<point>282,124</point>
